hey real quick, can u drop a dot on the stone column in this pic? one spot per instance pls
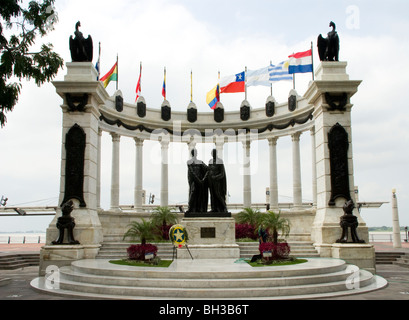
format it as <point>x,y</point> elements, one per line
<point>246,175</point>
<point>331,96</point>
<point>397,240</point>
<point>273,174</point>
<point>115,181</point>
<point>99,171</point>
<point>164,189</point>
<point>314,168</point>
<point>82,95</point>
<point>297,189</point>
<point>219,142</point>
<point>138,174</point>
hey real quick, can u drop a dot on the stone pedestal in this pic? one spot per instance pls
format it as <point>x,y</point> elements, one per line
<point>210,238</point>
<point>361,255</point>
<point>82,95</point>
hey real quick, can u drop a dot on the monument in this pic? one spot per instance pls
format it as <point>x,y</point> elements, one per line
<point>203,180</point>
<point>324,111</point>
<point>211,233</point>
<point>198,185</point>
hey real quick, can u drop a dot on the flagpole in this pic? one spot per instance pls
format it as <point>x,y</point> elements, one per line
<point>191,85</point>
<point>117,72</point>
<point>312,59</point>
<point>245,83</point>
<point>99,62</point>
<point>218,88</point>
<point>271,84</point>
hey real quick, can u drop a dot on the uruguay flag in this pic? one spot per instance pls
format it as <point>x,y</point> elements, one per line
<point>300,62</point>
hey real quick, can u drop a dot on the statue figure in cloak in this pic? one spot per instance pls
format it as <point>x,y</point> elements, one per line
<point>328,48</point>
<point>217,184</point>
<point>198,186</point>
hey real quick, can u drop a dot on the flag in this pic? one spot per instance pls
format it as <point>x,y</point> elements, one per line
<point>279,72</point>
<point>233,84</point>
<point>138,86</point>
<point>112,75</point>
<point>301,62</point>
<point>260,77</point>
<point>213,97</point>
<point>98,64</point>
<point>164,85</point>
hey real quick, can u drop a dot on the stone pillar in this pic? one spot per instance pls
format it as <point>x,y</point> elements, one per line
<point>246,175</point>
<point>397,240</point>
<point>164,186</point>
<point>115,179</point>
<point>138,174</point>
<point>273,174</point>
<point>297,189</point>
<point>219,147</point>
<point>82,95</point>
<point>99,171</point>
<point>313,169</point>
<point>331,94</point>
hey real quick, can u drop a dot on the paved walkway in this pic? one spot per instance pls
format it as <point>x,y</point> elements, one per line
<point>18,288</point>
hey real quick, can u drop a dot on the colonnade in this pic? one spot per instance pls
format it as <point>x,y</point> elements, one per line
<point>219,145</point>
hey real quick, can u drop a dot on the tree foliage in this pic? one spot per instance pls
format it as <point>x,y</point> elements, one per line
<point>19,28</point>
<point>142,230</point>
<point>250,216</point>
<point>274,223</point>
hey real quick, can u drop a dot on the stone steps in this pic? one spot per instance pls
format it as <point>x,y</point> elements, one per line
<point>117,250</point>
<point>298,249</point>
<point>211,279</point>
<point>17,261</point>
<point>387,257</point>
<point>403,261</point>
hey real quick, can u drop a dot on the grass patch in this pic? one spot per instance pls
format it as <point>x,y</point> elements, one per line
<point>133,263</point>
<point>278,263</point>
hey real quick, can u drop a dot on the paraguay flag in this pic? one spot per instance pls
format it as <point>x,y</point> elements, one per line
<point>300,62</point>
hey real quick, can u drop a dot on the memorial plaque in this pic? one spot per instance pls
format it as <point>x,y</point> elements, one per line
<point>207,233</point>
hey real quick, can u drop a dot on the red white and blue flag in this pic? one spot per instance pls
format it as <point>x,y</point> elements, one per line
<point>300,62</point>
<point>164,85</point>
<point>233,84</point>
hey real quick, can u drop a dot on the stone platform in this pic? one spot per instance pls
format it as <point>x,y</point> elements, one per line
<point>207,279</point>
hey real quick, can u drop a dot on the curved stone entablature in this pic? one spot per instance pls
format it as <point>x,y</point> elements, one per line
<point>128,123</point>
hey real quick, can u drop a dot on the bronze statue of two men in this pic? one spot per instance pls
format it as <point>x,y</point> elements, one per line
<point>203,179</point>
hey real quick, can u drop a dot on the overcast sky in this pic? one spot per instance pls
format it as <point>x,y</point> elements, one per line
<point>205,37</point>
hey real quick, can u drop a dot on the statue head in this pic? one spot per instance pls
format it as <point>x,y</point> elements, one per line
<point>332,24</point>
<point>349,206</point>
<point>67,208</point>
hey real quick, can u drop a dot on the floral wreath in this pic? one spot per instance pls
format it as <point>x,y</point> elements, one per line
<point>178,235</point>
